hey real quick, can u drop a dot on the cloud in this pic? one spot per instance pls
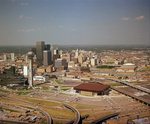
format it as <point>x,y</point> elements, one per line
<point>25,17</point>
<point>24,4</point>
<point>125,18</point>
<point>61,26</point>
<point>28,17</point>
<point>32,30</point>
<point>44,29</point>
<point>140,18</point>
<point>21,16</point>
<point>74,30</point>
<point>27,30</point>
<point>13,1</point>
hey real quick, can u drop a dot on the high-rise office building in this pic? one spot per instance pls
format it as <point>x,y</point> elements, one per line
<point>40,47</point>
<point>52,52</point>
<point>66,56</point>
<point>55,51</point>
<point>33,49</point>
<point>12,57</point>
<point>5,57</point>
<point>30,57</point>
<point>60,62</point>
<point>55,57</point>
<point>77,53</point>
<point>47,57</point>
<point>55,47</point>
<point>47,46</point>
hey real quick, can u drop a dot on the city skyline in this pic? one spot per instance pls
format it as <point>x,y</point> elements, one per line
<point>75,22</point>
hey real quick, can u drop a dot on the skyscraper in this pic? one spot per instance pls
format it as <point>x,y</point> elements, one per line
<point>76,53</point>
<point>12,57</point>
<point>47,46</point>
<point>33,49</point>
<point>5,57</point>
<point>47,57</point>
<point>40,47</point>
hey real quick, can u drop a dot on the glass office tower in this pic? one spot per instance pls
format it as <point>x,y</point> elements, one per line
<point>40,47</point>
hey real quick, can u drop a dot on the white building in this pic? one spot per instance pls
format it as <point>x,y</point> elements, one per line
<point>71,65</point>
<point>39,78</point>
<point>93,62</point>
<point>25,70</point>
<point>77,53</point>
<point>12,57</point>
<point>5,57</point>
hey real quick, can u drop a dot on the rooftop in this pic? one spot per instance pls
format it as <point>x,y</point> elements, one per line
<point>91,87</point>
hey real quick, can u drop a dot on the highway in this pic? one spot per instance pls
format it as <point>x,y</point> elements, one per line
<point>100,120</point>
<point>82,117</point>
<point>77,119</point>
<point>132,86</point>
<point>145,101</point>
<point>133,96</point>
<point>49,119</point>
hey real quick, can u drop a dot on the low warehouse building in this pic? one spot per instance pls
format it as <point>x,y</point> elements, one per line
<point>92,89</point>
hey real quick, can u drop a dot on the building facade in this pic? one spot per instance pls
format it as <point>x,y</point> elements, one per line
<point>12,57</point>
<point>47,57</point>
<point>40,47</point>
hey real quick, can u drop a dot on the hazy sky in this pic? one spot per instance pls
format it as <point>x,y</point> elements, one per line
<point>74,22</point>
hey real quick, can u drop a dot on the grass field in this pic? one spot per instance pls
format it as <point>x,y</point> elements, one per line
<point>41,102</point>
<point>58,81</point>
<point>22,93</point>
<point>60,113</point>
<point>4,91</point>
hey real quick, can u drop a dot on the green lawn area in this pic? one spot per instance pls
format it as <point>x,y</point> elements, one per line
<point>22,93</point>
<point>105,67</point>
<point>58,81</point>
<point>4,91</point>
<point>64,89</point>
<point>42,102</point>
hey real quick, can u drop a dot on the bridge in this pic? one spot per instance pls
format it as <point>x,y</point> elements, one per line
<point>104,118</point>
<point>77,119</point>
<point>49,119</point>
<point>132,86</point>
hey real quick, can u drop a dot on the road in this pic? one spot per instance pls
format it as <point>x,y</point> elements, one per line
<point>49,119</point>
<point>77,119</point>
<point>130,85</point>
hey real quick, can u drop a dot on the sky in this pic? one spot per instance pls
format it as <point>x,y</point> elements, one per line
<point>75,22</point>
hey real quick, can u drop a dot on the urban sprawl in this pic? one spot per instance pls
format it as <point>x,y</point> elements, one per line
<point>48,85</point>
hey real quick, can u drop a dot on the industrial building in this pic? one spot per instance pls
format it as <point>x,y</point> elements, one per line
<point>127,68</point>
<point>92,89</point>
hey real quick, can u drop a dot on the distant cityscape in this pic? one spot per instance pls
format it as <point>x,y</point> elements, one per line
<point>100,84</point>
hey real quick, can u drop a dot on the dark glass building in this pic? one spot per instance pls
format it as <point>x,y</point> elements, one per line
<point>47,46</point>
<point>40,47</point>
<point>47,57</point>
